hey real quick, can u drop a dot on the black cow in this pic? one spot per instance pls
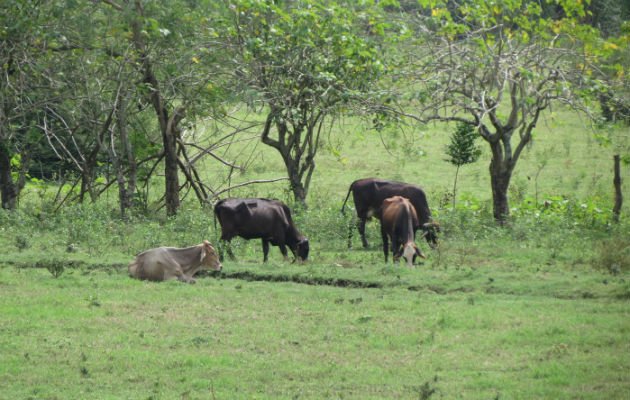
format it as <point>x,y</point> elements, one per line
<point>398,217</point>
<point>369,194</point>
<point>269,220</point>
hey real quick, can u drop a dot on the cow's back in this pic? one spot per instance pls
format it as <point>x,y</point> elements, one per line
<point>394,211</point>
<point>369,194</point>
<point>252,218</point>
<point>147,265</point>
<point>418,199</point>
<point>399,216</point>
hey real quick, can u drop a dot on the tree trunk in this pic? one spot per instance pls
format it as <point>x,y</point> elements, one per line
<point>86,182</point>
<point>8,190</point>
<point>455,187</point>
<point>500,182</point>
<point>298,189</point>
<point>168,124</point>
<point>618,196</point>
<point>126,185</point>
<point>501,168</point>
<point>25,164</point>
<point>291,148</point>
<point>170,172</point>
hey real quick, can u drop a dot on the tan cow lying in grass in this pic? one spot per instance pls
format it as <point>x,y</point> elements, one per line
<point>165,263</point>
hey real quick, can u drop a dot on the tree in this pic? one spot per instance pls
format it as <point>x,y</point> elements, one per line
<point>497,66</point>
<point>462,150</point>
<point>303,62</point>
<point>174,75</point>
<point>34,44</point>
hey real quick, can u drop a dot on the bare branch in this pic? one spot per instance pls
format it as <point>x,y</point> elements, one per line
<point>216,195</point>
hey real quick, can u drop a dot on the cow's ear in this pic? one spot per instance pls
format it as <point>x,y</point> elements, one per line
<point>418,252</point>
<point>203,252</point>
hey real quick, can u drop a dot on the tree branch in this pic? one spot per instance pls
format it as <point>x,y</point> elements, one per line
<point>215,195</point>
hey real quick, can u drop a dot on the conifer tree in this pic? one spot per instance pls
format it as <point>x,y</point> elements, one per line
<point>462,149</point>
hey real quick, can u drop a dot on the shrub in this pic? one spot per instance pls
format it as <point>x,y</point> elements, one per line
<point>54,266</point>
<point>22,242</point>
<point>612,255</point>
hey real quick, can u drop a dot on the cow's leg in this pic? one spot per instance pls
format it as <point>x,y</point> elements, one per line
<point>174,270</point>
<point>226,244</point>
<point>229,251</point>
<point>361,226</point>
<point>394,247</point>
<point>350,234</point>
<point>385,244</point>
<point>285,254</point>
<point>220,251</point>
<point>265,244</point>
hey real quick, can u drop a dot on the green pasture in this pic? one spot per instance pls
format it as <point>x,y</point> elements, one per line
<point>99,334</point>
<point>537,309</point>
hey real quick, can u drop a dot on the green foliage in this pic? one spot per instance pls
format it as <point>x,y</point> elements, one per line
<point>612,255</point>
<point>56,267</point>
<point>488,64</point>
<point>310,52</point>
<point>22,242</point>
<point>462,149</point>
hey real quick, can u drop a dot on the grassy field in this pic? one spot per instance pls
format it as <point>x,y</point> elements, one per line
<point>566,159</point>
<point>99,334</point>
<point>537,309</point>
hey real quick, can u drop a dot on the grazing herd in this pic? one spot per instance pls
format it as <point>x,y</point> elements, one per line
<point>401,207</point>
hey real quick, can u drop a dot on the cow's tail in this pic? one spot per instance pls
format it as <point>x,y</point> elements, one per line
<point>344,202</point>
<point>215,213</point>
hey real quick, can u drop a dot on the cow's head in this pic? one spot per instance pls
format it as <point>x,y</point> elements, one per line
<point>209,258</point>
<point>302,249</point>
<point>431,229</point>
<point>409,252</point>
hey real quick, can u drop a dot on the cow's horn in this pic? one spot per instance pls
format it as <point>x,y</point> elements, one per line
<point>419,253</point>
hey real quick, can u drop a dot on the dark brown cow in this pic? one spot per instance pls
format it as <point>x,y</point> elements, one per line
<point>369,193</point>
<point>398,217</point>
<point>269,220</point>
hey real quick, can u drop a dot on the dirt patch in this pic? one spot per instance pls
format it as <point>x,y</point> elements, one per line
<point>307,280</point>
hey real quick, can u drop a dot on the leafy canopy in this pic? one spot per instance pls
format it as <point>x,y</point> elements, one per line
<point>311,52</point>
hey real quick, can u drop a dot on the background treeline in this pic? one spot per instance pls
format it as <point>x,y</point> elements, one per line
<point>122,94</point>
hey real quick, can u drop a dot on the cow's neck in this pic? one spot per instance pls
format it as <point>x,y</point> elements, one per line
<point>188,256</point>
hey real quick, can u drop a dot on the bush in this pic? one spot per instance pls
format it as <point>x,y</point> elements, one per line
<point>612,255</point>
<point>54,266</point>
<point>22,242</point>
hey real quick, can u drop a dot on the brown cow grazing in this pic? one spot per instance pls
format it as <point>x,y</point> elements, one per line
<point>269,220</point>
<point>165,263</point>
<point>368,195</point>
<point>398,217</point>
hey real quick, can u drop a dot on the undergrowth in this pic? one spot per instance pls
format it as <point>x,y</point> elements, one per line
<point>556,231</point>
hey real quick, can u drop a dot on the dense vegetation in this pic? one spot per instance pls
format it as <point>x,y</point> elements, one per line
<point>106,94</point>
<point>97,94</point>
